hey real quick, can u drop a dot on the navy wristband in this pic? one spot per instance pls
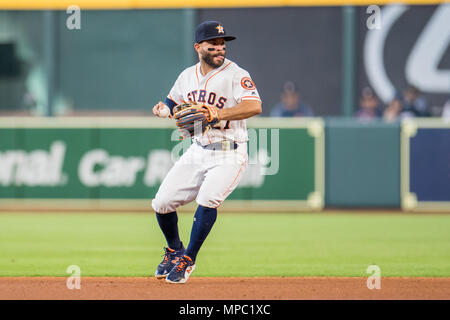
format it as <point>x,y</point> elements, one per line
<point>170,103</point>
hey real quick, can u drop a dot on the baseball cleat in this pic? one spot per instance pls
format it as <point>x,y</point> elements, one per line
<point>169,261</point>
<point>181,272</point>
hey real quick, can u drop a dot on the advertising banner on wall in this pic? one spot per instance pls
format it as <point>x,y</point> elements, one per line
<point>63,161</point>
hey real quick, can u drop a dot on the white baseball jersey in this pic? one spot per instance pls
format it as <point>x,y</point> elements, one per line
<point>223,87</point>
<point>204,175</point>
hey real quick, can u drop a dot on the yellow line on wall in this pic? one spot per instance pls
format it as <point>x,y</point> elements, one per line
<point>165,4</point>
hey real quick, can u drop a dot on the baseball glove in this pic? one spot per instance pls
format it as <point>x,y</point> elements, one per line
<point>191,120</point>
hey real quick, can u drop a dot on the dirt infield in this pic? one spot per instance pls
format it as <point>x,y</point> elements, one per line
<point>280,288</point>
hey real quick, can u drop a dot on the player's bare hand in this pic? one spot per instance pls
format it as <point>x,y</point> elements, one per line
<point>161,110</point>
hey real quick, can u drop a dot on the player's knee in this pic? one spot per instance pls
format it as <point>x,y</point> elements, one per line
<point>163,204</point>
<point>209,202</point>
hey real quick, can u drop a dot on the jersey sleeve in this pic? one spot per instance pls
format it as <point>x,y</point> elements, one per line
<point>244,88</point>
<point>175,93</point>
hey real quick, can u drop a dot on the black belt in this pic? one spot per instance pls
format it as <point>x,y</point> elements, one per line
<point>224,145</point>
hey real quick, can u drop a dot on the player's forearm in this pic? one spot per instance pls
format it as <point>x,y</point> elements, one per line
<point>243,110</point>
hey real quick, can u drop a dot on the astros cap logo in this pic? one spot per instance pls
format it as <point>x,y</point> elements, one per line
<point>220,29</point>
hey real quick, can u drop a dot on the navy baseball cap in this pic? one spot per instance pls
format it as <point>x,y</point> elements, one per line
<point>211,30</point>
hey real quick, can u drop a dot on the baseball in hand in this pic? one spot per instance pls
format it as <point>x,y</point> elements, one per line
<point>164,112</point>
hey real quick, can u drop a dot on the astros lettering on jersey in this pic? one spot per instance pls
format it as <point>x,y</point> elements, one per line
<point>223,87</point>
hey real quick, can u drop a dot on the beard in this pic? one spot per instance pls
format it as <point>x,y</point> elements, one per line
<point>208,58</point>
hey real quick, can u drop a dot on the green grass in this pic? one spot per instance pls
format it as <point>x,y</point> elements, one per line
<point>239,245</point>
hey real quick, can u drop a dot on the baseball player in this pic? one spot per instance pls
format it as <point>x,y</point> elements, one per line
<point>213,165</point>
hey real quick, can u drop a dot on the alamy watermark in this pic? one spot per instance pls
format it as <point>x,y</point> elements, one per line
<point>374,20</point>
<point>73,21</point>
<point>263,149</point>
<point>74,281</point>
<point>374,280</point>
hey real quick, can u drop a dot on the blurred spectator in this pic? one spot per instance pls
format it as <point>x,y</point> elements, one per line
<point>414,105</point>
<point>393,111</point>
<point>369,105</point>
<point>410,104</point>
<point>291,104</point>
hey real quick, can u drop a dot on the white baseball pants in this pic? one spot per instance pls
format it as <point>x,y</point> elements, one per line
<point>208,176</point>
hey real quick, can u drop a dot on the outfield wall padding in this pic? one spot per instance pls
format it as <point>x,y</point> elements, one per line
<point>362,164</point>
<point>294,164</point>
<point>93,158</point>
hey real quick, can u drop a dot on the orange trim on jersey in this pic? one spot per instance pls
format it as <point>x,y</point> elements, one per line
<point>207,135</point>
<point>206,83</point>
<point>196,74</point>
<point>242,98</point>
